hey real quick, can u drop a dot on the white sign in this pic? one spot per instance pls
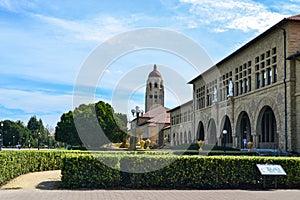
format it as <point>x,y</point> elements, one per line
<point>266,169</point>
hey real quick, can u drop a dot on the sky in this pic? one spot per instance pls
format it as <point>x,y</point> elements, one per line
<point>47,47</point>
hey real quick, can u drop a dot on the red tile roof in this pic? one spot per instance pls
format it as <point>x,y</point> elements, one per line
<point>158,115</point>
<point>295,17</point>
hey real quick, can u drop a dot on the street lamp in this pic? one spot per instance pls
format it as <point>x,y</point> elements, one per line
<point>137,112</point>
<point>224,135</point>
<point>13,141</point>
<point>39,140</point>
<point>1,136</point>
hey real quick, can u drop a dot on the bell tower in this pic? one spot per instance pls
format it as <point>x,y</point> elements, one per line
<point>154,90</point>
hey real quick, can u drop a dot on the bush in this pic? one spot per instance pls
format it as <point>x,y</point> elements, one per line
<point>182,172</point>
<point>15,163</point>
<point>87,171</point>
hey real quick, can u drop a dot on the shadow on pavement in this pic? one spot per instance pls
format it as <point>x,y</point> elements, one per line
<point>48,185</point>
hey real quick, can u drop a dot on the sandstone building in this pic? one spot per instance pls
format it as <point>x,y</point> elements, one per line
<point>253,94</point>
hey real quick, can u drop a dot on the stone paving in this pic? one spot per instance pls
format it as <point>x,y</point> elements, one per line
<point>149,194</point>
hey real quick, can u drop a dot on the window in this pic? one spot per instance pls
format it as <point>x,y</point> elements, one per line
<point>264,77</point>
<point>237,88</point>
<point>249,83</point>
<point>274,51</point>
<point>269,76</point>
<point>242,87</point>
<point>246,85</point>
<point>150,96</point>
<point>257,80</point>
<point>275,74</point>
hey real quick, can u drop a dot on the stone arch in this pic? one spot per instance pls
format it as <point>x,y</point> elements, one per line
<point>200,132</point>
<point>226,125</point>
<point>185,139</point>
<point>181,138</point>
<point>266,129</point>
<point>243,129</point>
<point>177,138</point>
<point>212,132</point>
<point>190,137</point>
<point>174,139</point>
<point>268,101</point>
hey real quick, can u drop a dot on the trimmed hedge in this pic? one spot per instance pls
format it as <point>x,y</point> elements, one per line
<point>87,171</point>
<point>183,172</point>
<point>15,163</point>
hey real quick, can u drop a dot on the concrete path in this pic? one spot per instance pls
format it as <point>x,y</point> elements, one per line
<point>149,194</point>
<point>43,186</point>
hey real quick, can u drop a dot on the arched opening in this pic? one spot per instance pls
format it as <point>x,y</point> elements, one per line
<point>266,128</point>
<point>185,138</point>
<point>181,138</point>
<point>174,139</point>
<point>190,139</point>
<point>200,132</point>
<point>244,130</point>
<point>212,132</point>
<point>226,139</point>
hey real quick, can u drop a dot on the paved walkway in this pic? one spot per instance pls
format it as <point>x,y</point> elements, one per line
<point>41,186</point>
<point>149,194</point>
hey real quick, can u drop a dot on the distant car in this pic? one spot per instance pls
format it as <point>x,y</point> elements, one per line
<point>69,147</point>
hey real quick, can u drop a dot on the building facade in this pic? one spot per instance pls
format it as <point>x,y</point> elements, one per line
<point>253,94</point>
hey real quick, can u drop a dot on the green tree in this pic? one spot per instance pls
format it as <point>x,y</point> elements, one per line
<point>89,119</point>
<point>14,133</point>
<point>113,127</point>
<point>65,131</point>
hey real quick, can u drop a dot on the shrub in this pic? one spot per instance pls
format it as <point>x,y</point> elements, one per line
<point>15,163</point>
<point>181,172</point>
<point>87,171</point>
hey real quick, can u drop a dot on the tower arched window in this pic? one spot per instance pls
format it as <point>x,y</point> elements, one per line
<point>150,86</point>
<point>155,85</point>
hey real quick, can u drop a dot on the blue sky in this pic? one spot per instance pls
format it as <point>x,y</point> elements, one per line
<point>44,44</point>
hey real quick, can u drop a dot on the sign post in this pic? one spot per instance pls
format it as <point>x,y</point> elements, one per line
<point>270,170</point>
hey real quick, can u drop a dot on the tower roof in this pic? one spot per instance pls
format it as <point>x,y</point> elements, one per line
<point>155,72</point>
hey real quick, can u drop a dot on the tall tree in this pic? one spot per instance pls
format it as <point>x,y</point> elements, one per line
<point>88,118</point>
<point>38,131</point>
<point>65,131</point>
<point>14,133</point>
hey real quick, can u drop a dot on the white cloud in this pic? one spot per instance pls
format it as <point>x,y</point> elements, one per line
<point>97,29</point>
<point>31,102</point>
<point>242,15</point>
<point>17,5</point>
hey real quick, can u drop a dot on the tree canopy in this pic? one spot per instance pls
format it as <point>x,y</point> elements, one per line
<point>82,126</point>
<point>16,133</point>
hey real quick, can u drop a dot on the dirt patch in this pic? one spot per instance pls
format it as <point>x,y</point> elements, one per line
<point>47,180</point>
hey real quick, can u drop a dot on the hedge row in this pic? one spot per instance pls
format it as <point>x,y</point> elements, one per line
<point>15,163</point>
<point>181,172</point>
